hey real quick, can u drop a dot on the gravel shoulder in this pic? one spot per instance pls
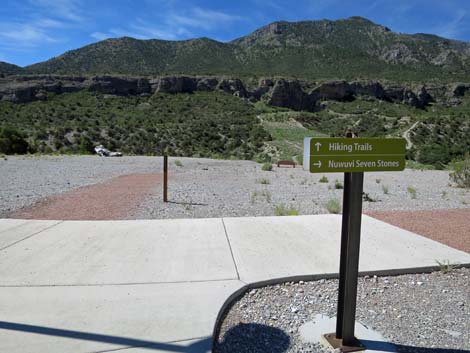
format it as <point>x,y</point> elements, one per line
<point>418,313</point>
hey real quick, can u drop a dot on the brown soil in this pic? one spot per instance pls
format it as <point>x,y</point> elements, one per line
<point>450,227</point>
<point>113,199</point>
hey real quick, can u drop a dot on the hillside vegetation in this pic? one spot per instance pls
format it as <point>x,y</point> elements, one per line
<point>200,124</point>
<point>219,125</point>
<point>9,69</point>
<point>347,49</point>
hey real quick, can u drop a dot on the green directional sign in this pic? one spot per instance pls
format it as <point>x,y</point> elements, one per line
<point>355,154</point>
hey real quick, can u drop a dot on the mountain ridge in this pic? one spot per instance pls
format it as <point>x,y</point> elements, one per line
<point>323,49</point>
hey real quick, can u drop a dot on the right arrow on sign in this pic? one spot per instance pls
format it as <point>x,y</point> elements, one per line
<point>318,164</point>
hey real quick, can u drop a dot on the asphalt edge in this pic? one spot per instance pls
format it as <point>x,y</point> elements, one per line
<point>238,294</point>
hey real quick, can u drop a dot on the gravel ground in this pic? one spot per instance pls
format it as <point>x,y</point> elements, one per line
<point>213,188</point>
<point>418,313</point>
<point>216,188</point>
<point>26,180</point>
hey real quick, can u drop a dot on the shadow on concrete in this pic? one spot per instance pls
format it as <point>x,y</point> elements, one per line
<point>253,338</point>
<point>200,346</point>
<point>393,347</point>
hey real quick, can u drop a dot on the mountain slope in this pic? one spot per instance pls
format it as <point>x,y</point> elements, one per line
<point>350,48</point>
<point>142,57</point>
<point>9,69</point>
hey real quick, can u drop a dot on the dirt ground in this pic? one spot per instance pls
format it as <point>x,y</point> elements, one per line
<point>111,200</point>
<point>450,227</point>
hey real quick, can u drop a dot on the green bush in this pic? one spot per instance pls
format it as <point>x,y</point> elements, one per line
<point>282,210</point>
<point>333,206</point>
<point>338,184</point>
<point>86,145</point>
<point>178,163</point>
<point>460,174</point>
<point>412,191</point>
<point>12,141</point>
<point>323,179</point>
<point>267,167</point>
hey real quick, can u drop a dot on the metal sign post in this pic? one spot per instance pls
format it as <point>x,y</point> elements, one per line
<point>343,251</point>
<point>353,157</point>
<point>165,178</point>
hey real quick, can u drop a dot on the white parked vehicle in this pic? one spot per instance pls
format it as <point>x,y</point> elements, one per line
<point>104,152</point>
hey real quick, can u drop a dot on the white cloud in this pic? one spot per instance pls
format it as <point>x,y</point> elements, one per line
<point>100,35</point>
<point>202,18</point>
<point>20,34</point>
<point>453,28</point>
<point>49,23</point>
<point>173,26</point>
<point>40,23</point>
<point>64,9</point>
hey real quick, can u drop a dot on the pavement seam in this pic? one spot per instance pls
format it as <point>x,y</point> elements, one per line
<point>31,235</point>
<point>115,284</point>
<point>230,247</point>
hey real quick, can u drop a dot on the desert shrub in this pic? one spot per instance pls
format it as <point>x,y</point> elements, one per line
<point>333,206</point>
<point>86,145</point>
<point>338,184</point>
<point>460,174</point>
<point>412,191</point>
<point>282,210</point>
<point>434,154</point>
<point>267,167</point>
<point>12,141</point>
<point>323,179</point>
<point>178,163</point>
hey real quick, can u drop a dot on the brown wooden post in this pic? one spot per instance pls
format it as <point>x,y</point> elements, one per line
<point>165,178</point>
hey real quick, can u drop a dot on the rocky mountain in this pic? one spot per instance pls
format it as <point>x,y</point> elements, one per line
<point>9,69</point>
<point>346,49</point>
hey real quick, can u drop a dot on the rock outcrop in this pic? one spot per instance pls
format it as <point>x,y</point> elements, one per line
<point>292,94</point>
<point>289,94</point>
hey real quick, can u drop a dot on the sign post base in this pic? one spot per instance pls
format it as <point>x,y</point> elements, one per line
<point>337,343</point>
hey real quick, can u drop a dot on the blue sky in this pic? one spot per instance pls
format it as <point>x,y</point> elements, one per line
<point>36,30</point>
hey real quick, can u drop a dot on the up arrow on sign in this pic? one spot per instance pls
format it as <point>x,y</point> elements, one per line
<point>318,145</point>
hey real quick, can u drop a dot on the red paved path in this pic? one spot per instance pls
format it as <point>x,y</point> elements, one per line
<point>111,200</point>
<point>450,227</point>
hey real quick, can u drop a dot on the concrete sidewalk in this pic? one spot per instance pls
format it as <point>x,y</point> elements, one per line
<point>82,286</point>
